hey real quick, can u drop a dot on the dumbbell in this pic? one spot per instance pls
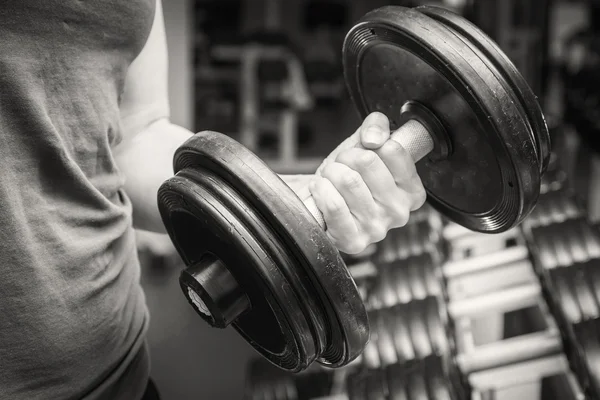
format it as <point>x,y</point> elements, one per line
<point>461,243</point>
<point>572,294</point>
<point>572,287</point>
<point>417,277</point>
<point>564,244</point>
<point>513,285</point>
<point>415,238</point>
<point>258,257</point>
<point>419,330</point>
<point>553,207</point>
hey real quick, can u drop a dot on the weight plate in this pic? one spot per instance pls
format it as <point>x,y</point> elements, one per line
<point>212,216</point>
<point>417,383</point>
<point>584,292</point>
<point>265,382</point>
<point>449,381</point>
<point>439,385</point>
<point>396,381</point>
<point>385,341</point>
<point>587,335</point>
<point>434,279</point>
<point>416,276</point>
<point>356,386</point>
<point>491,180</point>
<point>564,294</point>
<point>437,325</point>
<point>401,282</point>
<point>401,333</point>
<point>524,96</point>
<point>385,289</point>
<point>376,386</point>
<point>593,272</point>
<point>314,257</point>
<point>416,312</point>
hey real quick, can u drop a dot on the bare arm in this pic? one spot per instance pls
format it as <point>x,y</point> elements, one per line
<point>145,155</point>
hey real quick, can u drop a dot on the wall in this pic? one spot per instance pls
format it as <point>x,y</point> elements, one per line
<point>179,38</point>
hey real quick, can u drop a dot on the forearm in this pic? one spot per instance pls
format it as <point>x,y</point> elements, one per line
<point>146,162</point>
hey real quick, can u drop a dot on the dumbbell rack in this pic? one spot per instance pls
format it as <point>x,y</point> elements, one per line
<point>426,232</point>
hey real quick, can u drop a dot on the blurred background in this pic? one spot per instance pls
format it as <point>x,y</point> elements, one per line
<point>268,73</point>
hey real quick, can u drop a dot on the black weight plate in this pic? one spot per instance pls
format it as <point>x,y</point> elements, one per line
<point>525,98</point>
<point>356,385</point>
<point>385,340</point>
<point>416,315</point>
<point>399,323</point>
<point>416,377</point>
<point>438,325</point>
<point>582,287</point>
<point>314,255</point>
<point>376,386</point>
<point>198,219</point>
<point>562,287</point>
<point>491,180</point>
<point>439,387</point>
<point>401,282</point>
<point>445,379</point>
<point>416,276</point>
<point>396,381</point>
<point>587,334</point>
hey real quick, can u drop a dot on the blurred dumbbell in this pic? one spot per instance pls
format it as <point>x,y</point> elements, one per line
<point>425,275</point>
<point>564,244</point>
<point>420,235</point>
<point>462,243</point>
<point>553,207</point>
<point>423,327</point>
<point>571,281</point>
<point>554,179</point>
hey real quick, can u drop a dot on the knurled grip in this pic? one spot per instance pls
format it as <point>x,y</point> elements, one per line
<point>412,136</point>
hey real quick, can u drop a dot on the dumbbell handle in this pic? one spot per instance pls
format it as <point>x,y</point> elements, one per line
<point>456,268</point>
<point>412,136</point>
<point>503,301</point>
<point>515,350</point>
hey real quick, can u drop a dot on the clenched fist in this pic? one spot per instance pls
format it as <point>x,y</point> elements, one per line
<point>364,191</point>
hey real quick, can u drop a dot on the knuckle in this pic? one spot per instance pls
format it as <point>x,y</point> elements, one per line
<point>420,197</point>
<point>334,206</point>
<point>402,216</point>
<point>355,246</point>
<point>378,233</point>
<point>351,180</point>
<point>328,170</point>
<point>391,148</point>
<point>366,159</point>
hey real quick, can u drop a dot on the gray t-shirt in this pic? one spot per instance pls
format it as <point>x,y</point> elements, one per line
<point>72,313</point>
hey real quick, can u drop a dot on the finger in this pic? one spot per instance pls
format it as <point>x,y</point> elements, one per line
<point>353,189</point>
<point>337,215</point>
<point>373,170</point>
<point>374,131</point>
<point>348,143</point>
<point>403,169</point>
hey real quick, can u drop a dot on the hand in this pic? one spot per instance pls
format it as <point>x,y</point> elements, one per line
<point>364,191</point>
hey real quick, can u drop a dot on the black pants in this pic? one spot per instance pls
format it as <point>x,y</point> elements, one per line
<point>151,392</point>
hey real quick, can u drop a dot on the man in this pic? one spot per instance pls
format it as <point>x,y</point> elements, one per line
<point>86,142</point>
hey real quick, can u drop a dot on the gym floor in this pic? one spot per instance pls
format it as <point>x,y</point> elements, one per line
<point>190,360</point>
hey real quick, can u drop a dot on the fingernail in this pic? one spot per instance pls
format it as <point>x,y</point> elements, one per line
<point>374,135</point>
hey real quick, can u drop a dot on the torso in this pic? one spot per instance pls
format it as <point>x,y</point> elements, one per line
<point>72,313</point>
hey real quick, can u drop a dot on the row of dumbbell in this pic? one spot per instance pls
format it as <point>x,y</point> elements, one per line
<point>422,330</point>
<point>566,262</point>
<point>422,272</point>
